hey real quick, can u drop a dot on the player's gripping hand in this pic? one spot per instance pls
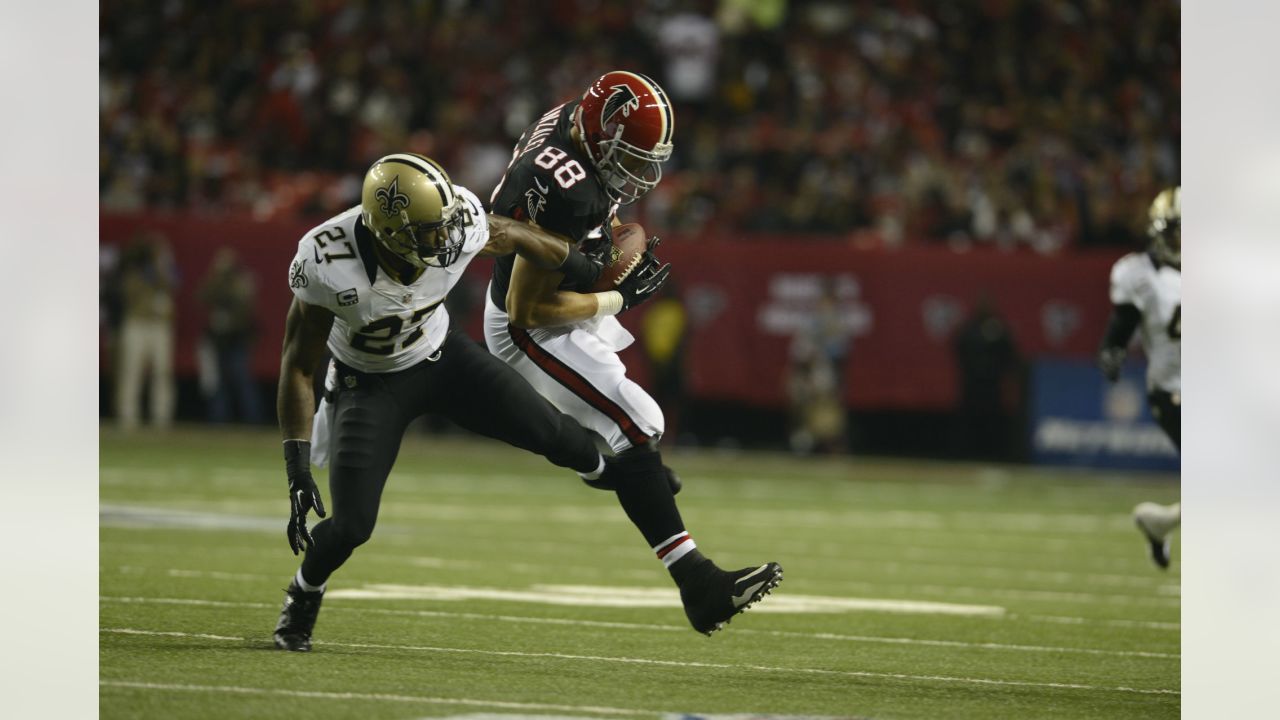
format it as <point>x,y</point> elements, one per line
<point>1111,360</point>
<point>641,283</point>
<point>303,494</point>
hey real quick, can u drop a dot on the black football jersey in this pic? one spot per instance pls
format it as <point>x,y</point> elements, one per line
<point>552,183</point>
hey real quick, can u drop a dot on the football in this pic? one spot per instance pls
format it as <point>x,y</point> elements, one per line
<point>628,248</point>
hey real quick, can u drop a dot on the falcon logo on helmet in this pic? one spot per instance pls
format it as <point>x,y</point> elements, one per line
<point>625,123</point>
<point>623,99</point>
<point>393,201</point>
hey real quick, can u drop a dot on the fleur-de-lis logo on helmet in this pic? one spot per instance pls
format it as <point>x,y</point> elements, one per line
<point>391,200</point>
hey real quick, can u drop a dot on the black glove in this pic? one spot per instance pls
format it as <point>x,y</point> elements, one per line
<point>581,270</point>
<point>598,250</point>
<point>1111,360</point>
<point>644,281</point>
<point>303,494</point>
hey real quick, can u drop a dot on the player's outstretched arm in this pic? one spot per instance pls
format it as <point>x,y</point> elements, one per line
<point>306,329</point>
<point>534,299</point>
<point>1120,328</point>
<point>545,249</point>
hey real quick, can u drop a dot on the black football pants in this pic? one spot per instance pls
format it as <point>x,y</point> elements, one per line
<point>464,383</point>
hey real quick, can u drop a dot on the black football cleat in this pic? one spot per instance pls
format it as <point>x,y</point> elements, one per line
<point>297,618</point>
<point>608,479</point>
<point>714,596</point>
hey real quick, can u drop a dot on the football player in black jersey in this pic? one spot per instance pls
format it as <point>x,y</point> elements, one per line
<point>570,172</point>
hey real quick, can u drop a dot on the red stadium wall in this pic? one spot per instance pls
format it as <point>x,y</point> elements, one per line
<point>744,297</point>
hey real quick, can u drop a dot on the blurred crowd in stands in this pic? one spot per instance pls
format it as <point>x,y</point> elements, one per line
<point>1046,124</point>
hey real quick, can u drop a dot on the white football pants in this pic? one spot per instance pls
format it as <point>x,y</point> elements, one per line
<point>580,373</point>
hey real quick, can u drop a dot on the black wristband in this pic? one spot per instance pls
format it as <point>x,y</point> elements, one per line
<point>578,268</point>
<point>297,457</point>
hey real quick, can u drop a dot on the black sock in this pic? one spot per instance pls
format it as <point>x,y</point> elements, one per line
<point>694,563</point>
<point>645,495</point>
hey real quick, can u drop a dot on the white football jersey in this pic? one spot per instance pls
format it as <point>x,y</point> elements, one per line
<point>381,325</point>
<point>1156,290</point>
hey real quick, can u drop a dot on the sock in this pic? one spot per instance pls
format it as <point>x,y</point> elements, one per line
<point>645,495</point>
<point>595,474</point>
<point>674,548</point>
<point>692,563</point>
<point>306,586</point>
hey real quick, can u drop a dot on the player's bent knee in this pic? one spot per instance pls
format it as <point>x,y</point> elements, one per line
<point>642,408</point>
<point>643,448</point>
<point>353,533</point>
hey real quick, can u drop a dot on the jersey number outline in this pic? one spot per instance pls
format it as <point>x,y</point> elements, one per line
<point>567,174</point>
<point>1175,324</point>
<point>369,338</point>
<point>332,236</point>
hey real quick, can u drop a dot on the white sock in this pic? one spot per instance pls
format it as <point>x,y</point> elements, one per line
<point>308,587</point>
<point>594,475</point>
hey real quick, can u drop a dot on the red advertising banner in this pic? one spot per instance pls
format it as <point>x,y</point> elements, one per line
<point>745,299</point>
<point>902,308</point>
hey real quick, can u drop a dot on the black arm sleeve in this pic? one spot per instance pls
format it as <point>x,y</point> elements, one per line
<point>579,271</point>
<point>1124,320</point>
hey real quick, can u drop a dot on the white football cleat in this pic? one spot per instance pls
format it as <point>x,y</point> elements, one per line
<point>1156,522</point>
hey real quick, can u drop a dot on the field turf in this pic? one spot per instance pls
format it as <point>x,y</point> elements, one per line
<point>499,585</point>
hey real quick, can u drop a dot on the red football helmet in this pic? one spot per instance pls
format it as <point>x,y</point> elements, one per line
<point>626,122</point>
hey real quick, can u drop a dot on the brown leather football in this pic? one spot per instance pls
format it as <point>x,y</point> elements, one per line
<point>628,248</point>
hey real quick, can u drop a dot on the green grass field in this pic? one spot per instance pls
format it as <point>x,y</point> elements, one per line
<point>499,585</point>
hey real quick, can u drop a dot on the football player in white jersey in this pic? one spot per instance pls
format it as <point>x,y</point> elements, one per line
<point>370,284</point>
<point>570,172</point>
<point>1146,295</point>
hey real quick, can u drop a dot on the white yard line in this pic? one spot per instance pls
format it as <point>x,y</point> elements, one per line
<point>689,664</point>
<point>1141,581</point>
<point>1168,597</point>
<point>468,702</point>
<point>1061,620</point>
<point>670,628</point>
<point>649,597</point>
<point>978,551</point>
<point>1056,596</point>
